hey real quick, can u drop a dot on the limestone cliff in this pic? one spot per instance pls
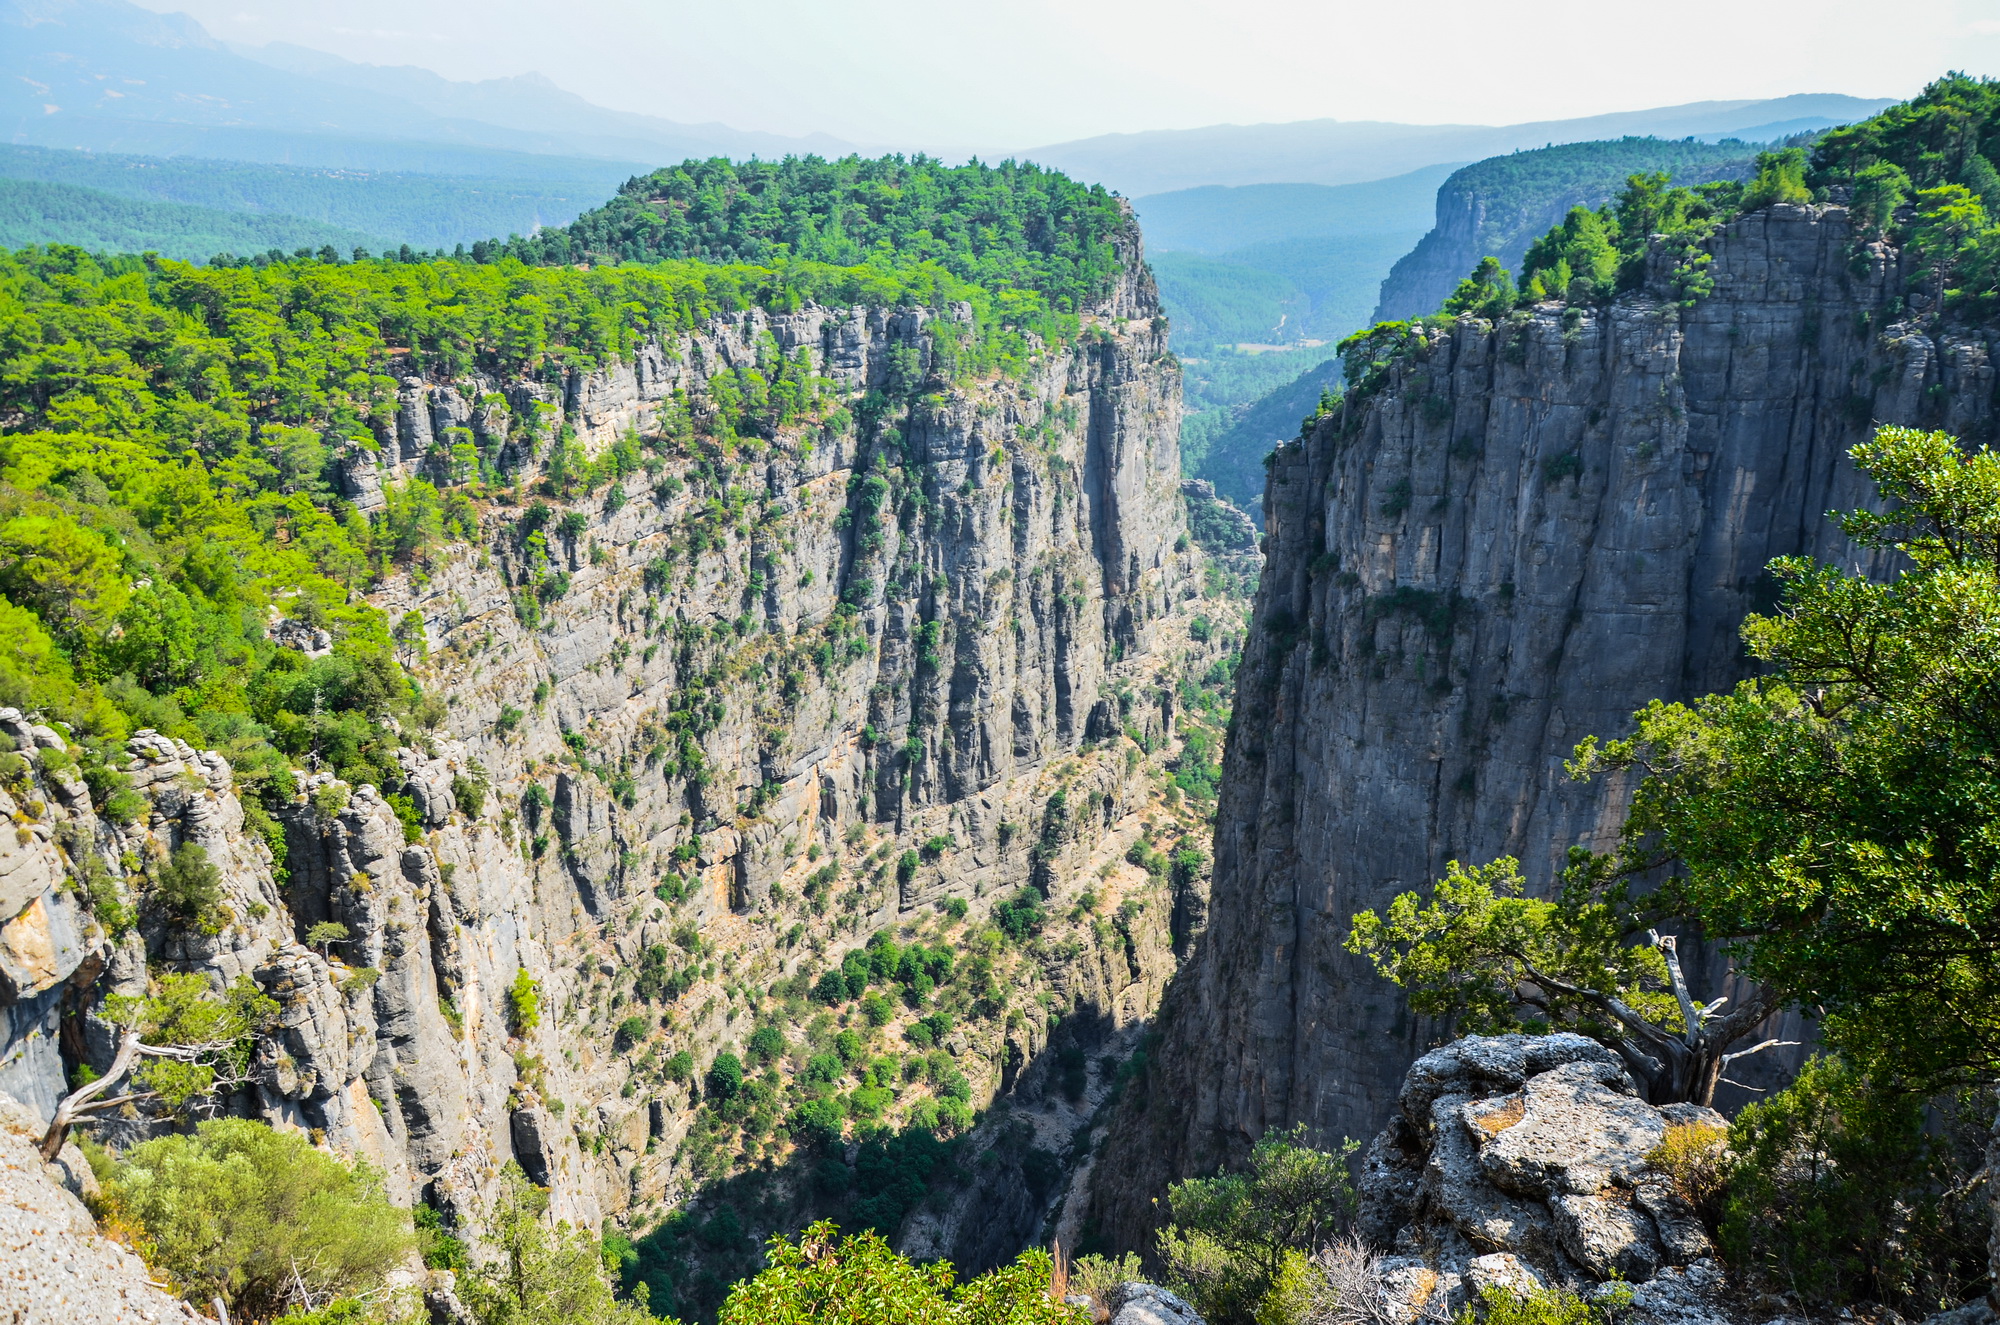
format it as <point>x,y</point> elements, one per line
<point>692,737</point>
<point>1528,531</point>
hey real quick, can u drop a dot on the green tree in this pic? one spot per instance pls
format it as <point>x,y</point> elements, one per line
<point>1236,1241</point>
<point>177,1045</point>
<point>524,1003</point>
<point>189,885</point>
<point>541,1272</point>
<point>1488,292</point>
<point>258,1217</point>
<point>824,1277</point>
<point>1835,820</point>
<point>325,934</point>
<point>1487,959</point>
<point>1780,177</point>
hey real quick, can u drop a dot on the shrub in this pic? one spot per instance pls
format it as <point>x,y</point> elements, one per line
<point>1839,1193</point>
<point>1095,1276</point>
<point>257,1217</point>
<point>725,1077</point>
<point>547,1274</point>
<point>831,989</point>
<point>189,886</point>
<point>631,1031</point>
<point>524,1003</point>
<point>1236,1242</point>
<point>826,1277</point>
<point>325,934</point>
<point>1020,917</point>
<point>818,1122</point>
<point>680,1067</point>
<point>1695,1158</point>
<point>878,1010</point>
<point>765,1044</point>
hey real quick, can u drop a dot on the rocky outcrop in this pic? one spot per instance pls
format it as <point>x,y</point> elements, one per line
<point>54,1264</point>
<point>768,691</point>
<point>1523,1160</point>
<point>1516,538</point>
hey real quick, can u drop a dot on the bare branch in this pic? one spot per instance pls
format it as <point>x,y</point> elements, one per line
<point>1758,1048</point>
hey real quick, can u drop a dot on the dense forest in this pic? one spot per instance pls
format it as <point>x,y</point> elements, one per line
<point>38,213</point>
<point>1006,227</point>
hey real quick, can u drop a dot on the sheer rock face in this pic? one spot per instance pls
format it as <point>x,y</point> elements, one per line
<point>1525,533</point>
<point>695,708</point>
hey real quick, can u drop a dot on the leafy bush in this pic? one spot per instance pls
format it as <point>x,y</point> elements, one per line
<point>542,1274</point>
<point>257,1217</point>
<point>1021,916</point>
<point>1695,1158</point>
<point>1234,1241</point>
<point>766,1044</point>
<point>824,1276</point>
<point>725,1077</point>
<point>189,886</point>
<point>524,1003</point>
<point>1839,1193</point>
<point>632,1031</point>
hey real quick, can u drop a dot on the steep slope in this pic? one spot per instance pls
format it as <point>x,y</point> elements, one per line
<point>1522,533</point>
<point>1501,205</point>
<point>902,669</point>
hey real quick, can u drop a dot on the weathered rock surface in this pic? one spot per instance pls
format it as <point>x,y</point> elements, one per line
<point>1149,1304</point>
<point>711,713</point>
<point>1519,536</point>
<point>55,1268</point>
<point>1545,1184</point>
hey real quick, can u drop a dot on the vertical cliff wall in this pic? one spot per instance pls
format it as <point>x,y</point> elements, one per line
<point>1526,533</point>
<point>693,733</point>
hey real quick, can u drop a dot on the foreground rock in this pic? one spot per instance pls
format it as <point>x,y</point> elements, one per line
<point>1520,1162</point>
<point>55,1267</point>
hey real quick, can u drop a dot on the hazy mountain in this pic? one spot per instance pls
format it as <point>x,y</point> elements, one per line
<point>1217,218</point>
<point>33,212</point>
<point>110,76</point>
<point>422,210</point>
<point>1344,151</point>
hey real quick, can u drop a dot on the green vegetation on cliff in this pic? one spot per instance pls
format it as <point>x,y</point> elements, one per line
<point>167,464</point>
<point>1009,228</point>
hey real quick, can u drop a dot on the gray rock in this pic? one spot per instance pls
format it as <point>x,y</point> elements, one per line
<point>1575,1128</point>
<point>1607,1235</point>
<point>1149,1304</point>
<point>1518,536</point>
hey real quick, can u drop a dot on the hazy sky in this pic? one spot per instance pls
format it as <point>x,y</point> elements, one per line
<point>999,74</point>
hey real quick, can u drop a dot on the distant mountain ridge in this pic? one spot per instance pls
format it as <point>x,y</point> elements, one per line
<point>1346,152</point>
<point>1503,204</point>
<point>109,76</point>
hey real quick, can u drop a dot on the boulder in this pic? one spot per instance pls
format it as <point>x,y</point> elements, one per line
<point>1521,1160</point>
<point>1149,1304</point>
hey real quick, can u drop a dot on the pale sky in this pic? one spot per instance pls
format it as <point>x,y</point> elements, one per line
<point>994,75</point>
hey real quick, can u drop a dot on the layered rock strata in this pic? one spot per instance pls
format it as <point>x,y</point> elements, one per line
<point>731,715</point>
<point>1518,536</point>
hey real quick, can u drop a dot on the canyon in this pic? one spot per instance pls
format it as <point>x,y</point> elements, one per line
<point>689,744</point>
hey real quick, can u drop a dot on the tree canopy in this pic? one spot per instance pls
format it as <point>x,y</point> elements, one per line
<point>1014,226</point>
